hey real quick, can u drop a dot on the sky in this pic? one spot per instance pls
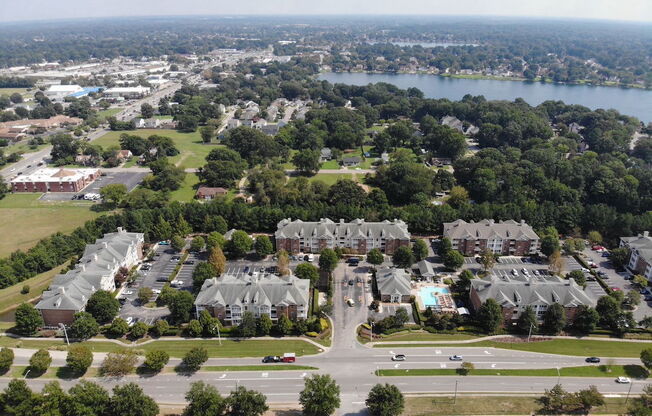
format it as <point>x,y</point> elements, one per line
<point>632,10</point>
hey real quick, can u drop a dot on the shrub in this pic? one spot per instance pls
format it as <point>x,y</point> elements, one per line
<point>118,328</point>
<point>155,360</point>
<point>324,323</point>
<point>24,290</point>
<point>194,358</point>
<point>40,361</point>
<point>6,359</point>
<point>160,327</point>
<point>79,358</point>
<point>312,334</point>
<point>118,364</point>
<point>139,330</point>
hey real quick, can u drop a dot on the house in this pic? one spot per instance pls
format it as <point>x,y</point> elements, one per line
<point>233,123</point>
<point>441,161</point>
<point>149,123</point>
<point>453,122</point>
<point>426,270</point>
<point>228,297</point>
<point>55,180</point>
<point>47,123</point>
<point>95,270</point>
<point>325,154</point>
<point>13,134</point>
<point>358,235</point>
<point>124,154</point>
<point>640,258</point>
<point>351,161</point>
<point>59,92</point>
<point>393,285</point>
<point>515,293</point>
<point>509,238</point>
<point>205,192</point>
<point>87,160</point>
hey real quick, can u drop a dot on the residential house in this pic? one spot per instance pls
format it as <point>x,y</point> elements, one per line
<point>351,161</point>
<point>515,293</point>
<point>13,134</point>
<point>206,192</point>
<point>358,235</point>
<point>640,258</point>
<point>95,270</point>
<point>453,122</point>
<point>233,123</point>
<point>394,285</point>
<point>149,123</point>
<point>508,238</point>
<point>124,154</point>
<point>228,297</point>
<point>325,154</point>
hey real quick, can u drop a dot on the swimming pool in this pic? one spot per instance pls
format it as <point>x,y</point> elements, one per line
<point>428,294</point>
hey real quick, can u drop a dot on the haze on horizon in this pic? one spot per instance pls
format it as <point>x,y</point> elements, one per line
<point>626,10</point>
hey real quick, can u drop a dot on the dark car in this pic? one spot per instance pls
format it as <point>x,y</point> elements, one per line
<point>351,282</point>
<point>648,298</point>
<point>271,359</point>
<point>189,262</point>
<point>593,360</point>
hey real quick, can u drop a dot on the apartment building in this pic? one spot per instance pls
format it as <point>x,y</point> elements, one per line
<point>55,180</point>
<point>640,258</point>
<point>509,238</point>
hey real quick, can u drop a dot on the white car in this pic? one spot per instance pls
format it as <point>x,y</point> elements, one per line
<point>156,291</point>
<point>128,292</point>
<point>176,283</point>
<point>623,380</point>
<point>398,357</point>
<point>129,320</point>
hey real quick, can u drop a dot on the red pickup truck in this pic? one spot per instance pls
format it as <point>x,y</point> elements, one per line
<point>289,357</point>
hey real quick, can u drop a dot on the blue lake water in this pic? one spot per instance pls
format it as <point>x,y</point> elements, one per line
<point>630,101</point>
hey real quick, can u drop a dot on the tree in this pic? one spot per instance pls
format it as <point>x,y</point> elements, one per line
<point>118,364</point>
<point>88,399</point>
<point>155,360</point>
<point>203,399</point>
<point>549,244</point>
<point>83,326</point>
<point>401,316</point>
<point>320,396</point>
<point>490,316</point>
<point>307,161</point>
<point>113,193</point>
<point>146,110</point>
<point>555,262</point>
<point>619,257</point>
<point>217,260</point>
<point>578,276</point>
<point>403,257</point>
<point>139,330</point>
<point>487,260</point>
<point>223,173</point>
<point>453,260</point>
<point>632,299</point>
<point>215,239</point>
<point>586,319</point>
<point>145,294</point>
<point>347,192</point>
<point>264,325</point>
<point>207,133</point>
<point>466,368</point>
<point>444,247</point>
<point>465,278</point>
<point>328,260</point>
<point>239,244</point>
<point>194,359</point>
<point>375,257</point>
<point>16,98</point>
<point>458,196</point>
<point>641,406</point>
<point>610,312</point>
<point>243,402</point>
<point>160,327</point>
<point>177,242</point>
<point>247,326</point>
<point>17,399</point>
<point>197,244</point>
<point>646,358</point>
<point>640,281</point>
<point>103,306</point>
<point>202,272</point>
<point>118,328</point>
<point>385,400</point>
<point>129,400</point>
<point>527,321</point>
<point>307,271</point>
<point>263,246</point>
<point>6,359</point>
<point>79,358</point>
<point>283,325</point>
<point>28,319</point>
<point>181,305</point>
<point>40,361</point>
<point>587,399</point>
<point>420,250</point>
<point>553,400</point>
<point>194,328</point>
<point>554,319</point>
<point>283,263</point>
<point>595,237</point>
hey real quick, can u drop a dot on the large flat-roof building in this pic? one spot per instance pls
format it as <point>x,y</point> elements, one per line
<point>640,258</point>
<point>358,236</point>
<point>127,92</point>
<point>515,293</point>
<point>509,238</point>
<point>95,270</point>
<point>59,92</point>
<point>229,296</point>
<point>55,180</point>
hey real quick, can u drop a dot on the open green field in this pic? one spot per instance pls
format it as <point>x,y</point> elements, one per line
<point>228,349</point>
<point>579,347</point>
<point>26,220</point>
<point>187,191</point>
<point>491,405</point>
<point>9,91</point>
<point>23,147</point>
<point>11,296</point>
<point>192,150</point>
<point>635,371</point>
<point>103,114</point>
<point>331,178</point>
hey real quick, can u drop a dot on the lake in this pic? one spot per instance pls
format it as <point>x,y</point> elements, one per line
<point>630,101</point>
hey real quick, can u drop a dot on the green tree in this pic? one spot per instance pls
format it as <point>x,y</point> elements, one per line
<point>554,400</point>
<point>243,402</point>
<point>177,242</point>
<point>586,400</point>
<point>466,368</point>
<point>181,305</point>
<point>203,399</point>
<point>283,262</point>
<point>103,306</point>
<point>40,361</point>
<point>263,246</point>
<point>79,358</point>
<point>578,276</point>
<point>385,400</point>
<point>646,358</point>
<point>155,360</point>
<point>595,237</point>
<point>197,244</point>
<point>160,327</point>
<point>139,330</point>
<point>129,400</point>
<point>264,325</point>
<point>215,239</point>
<point>328,260</point>
<point>420,250</point>
<point>453,260</point>
<point>284,325</point>
<point>586,319</point>
<point>202,272</point>
<point>194,359</point>
<point>401,316</point>
<point>239,244</point>
<point>444,247</point>
<point>247,326</point>
<point>145,294</point>
<point>84,326</point>
<point>346,192</point>
<point>490,316</point>
<point>28,319</point>
<point>639,281</point>
<point>119,363</point>
<point>207,133</point>
<point>641,406</point>
<point>487,260</point>
<point>88,399</point>
<point>554,319</point>
<point>549,244</point>
<point>527,321</point>
<point>217,259</point>
<point>619,257</point>
<point>375,257</point>
<point>113,193</point>
<point>146,110</point>
<point>403,257</point>
<point>307,271</point>
<point>118,328</point>
<point>465,278</point>
<point>194,328</point>
<point>307,161</point>
<point>6,359</point>
<point>320,396</point>
<point>17,399</point>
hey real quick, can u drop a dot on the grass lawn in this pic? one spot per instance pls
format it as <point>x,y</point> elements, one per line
<point>635,371</point>
<point>331,178</point>
<point>39,219</point>
<point>187,191</point>
<point>492,405</point>
<point>104,114</point>
<point>193,151</point>
<point>556,346</point>
<point>9,91</point>
<point>425,336</point>
<point>11,296</point>
<point>331,164</point>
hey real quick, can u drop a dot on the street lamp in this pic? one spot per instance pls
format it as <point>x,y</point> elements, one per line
<point>558,375</point>
<point>62,326</point>
<point>371,333</point>
<point>530,332</point>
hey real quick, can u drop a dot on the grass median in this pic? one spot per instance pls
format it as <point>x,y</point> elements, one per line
<point>577,347</point>
<point>635,371</point>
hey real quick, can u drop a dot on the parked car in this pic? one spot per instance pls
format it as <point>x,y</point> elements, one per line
<point>156,291</point>
<point>398,357</point>
<point>592,360</point>
<point>189,262</point>
<point>615,289</point>
<point>128,292</point>
<point>163,243</point>
<point>648,298</point>
<point>289,357</point>
<point>129,320</point>
<point>456,358</point>
<point>271,359</point>
<point>623,380</point>
<point>350,302</point>
<point>606,254</point>
<point>176,283</point>
<point>351,282</point>
<point>514,272</point>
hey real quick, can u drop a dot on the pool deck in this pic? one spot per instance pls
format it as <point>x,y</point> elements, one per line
<point>445,302</point>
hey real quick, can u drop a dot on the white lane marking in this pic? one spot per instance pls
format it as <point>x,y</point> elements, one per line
<point>493,365</point>
<point>265,375</point>
<point>487,352</point>
<point>223,376</point>
<point>437,351</point>
<point>391,352</point>
<point>442,365</point>
<point>304,374</point>
<point>397,365</point>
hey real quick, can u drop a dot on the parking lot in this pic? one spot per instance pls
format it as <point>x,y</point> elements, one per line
<point>129,179</point>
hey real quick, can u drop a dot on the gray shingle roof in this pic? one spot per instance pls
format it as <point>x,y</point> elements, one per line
<point>485,229</point>
<point>392,281</point>
<point>254,290</point>
<point>523,291</point>
<point>642,244</point>
<point>326,228</point>
<point>425,268</point>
